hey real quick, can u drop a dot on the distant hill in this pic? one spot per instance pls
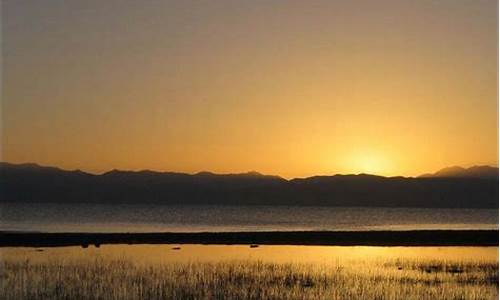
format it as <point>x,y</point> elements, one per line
<point>33,183</point>
<point>472,172</point>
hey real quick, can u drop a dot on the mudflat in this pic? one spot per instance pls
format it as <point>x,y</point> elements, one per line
<point>333,238</point>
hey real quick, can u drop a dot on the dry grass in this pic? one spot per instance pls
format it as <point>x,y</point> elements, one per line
<point>101,278</point>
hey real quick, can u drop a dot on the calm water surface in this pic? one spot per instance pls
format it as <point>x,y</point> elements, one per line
<point>158,254</point>
<point>143,218</point>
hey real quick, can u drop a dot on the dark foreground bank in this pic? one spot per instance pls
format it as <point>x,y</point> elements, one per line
<point>337,238</point>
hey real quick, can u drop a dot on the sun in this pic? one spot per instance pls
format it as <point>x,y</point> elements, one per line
<point>370,163</point>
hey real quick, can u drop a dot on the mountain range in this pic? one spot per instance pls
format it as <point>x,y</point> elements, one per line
<point>472,172</point>
<point>454,187</point>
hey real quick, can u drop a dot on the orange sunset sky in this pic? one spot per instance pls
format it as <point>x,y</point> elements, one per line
<point>293,88</point>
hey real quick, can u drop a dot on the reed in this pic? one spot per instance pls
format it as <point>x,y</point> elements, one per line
<point>104,278</point>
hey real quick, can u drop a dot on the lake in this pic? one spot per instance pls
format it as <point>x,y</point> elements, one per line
<point>146,218</point>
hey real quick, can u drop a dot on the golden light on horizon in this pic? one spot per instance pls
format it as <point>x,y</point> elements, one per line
<point>371,164</point>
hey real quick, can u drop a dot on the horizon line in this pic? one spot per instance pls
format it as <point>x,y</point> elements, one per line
<point>238,173</point>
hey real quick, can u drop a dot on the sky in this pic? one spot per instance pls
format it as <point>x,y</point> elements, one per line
<point>292,88</point>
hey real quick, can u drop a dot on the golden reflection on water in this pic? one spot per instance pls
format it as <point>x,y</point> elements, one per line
<point>276,254</point>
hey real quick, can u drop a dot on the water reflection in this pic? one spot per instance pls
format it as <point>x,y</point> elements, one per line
<point>276,254</point>
<point>154,218</point>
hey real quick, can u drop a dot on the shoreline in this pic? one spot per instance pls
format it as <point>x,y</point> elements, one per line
<point>306,238</point>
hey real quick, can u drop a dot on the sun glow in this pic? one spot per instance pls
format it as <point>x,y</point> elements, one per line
<point>370,163</point>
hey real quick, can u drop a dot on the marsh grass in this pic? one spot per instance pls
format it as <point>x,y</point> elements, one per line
<point>105,278</point>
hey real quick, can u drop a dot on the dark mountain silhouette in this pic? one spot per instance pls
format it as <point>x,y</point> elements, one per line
<point>33,183</point>
<point>472,172</point>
